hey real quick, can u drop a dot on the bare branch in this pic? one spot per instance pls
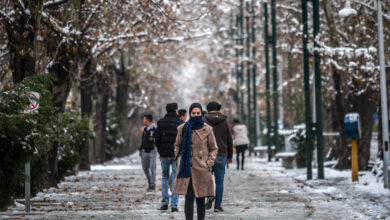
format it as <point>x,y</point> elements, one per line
<point>6,17</point>
<point>53,3</point>
<point>177,39</point>
<point>21,6</point>
<point>177,19</point>
<point>53,24</point>
<point>343,35</point>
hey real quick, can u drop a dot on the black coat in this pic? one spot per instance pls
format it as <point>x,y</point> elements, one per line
<point>166,134</point>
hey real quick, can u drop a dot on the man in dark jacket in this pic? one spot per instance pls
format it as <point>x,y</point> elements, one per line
<point>148,152</point>
<point>224,140</point>
<point>165,140</point>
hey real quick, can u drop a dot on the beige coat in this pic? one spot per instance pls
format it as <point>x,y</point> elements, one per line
<point>203,153</point>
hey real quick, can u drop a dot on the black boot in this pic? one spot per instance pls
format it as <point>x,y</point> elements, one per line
<point>164,207</point>
<point>218,209</point>
<point>175,210</point>
<point>209,202</point>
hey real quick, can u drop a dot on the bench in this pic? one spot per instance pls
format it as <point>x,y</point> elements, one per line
<point>263,150</point>
<point>287,159</point>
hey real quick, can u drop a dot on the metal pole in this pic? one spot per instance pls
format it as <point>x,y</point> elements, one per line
<point>385,120</point>
<point>255,118</point>
<point>267,81</point>
<point>237,67</point>
<point>354,161</point>
<point>27,179</point>
<point>241,60</point>
<point>248,80</point>
<point>318,83</point>
<point>280,94</point>
<point>275,76</point>
<point>306,77</point>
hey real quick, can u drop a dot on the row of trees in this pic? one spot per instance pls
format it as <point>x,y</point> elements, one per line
<point>101,65</point>
<point>110,61</point>
<point>349,66</point>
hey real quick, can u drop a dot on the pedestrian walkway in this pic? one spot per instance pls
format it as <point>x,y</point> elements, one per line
<point>117,190</point>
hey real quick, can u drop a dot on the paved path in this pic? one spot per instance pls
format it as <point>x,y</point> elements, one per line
<point>118,191</point>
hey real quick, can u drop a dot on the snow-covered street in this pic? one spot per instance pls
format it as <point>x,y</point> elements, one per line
<point>117,190</point>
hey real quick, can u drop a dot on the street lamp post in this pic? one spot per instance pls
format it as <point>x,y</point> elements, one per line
<point>248,79</point>
<point>377,5</point>
<point>243,118</point>
<point>385,121</point>
<point>255,121</point>
<point>306,77</point>
<point>267,81</point>
<point>275,76</point>
<point>318,93</point>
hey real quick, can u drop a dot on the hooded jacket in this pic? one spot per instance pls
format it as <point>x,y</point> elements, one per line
<point>222,133</point>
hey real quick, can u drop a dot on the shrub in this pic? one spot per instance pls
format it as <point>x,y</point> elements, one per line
<point>115,138</point>
<point>24,137</point>
<point>75,135</point>
<point>299,138</point>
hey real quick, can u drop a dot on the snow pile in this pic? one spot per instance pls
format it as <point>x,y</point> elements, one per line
<point>345,12</point>
<point>115,167</point>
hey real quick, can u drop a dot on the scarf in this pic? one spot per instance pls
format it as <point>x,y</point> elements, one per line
<point>194,123</point>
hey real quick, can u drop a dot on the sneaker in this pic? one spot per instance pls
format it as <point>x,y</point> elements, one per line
<point>209,202</point>
<point>175,210</point>
<point>218,209</point>
<point>151,189</point>
<point>164,207</point>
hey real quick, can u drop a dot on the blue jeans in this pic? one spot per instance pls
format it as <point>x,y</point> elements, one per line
<point>219,175</point>
<point>166,162</point>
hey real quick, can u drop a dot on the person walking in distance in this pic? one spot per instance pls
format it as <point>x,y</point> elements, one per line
<point>165,140</point>
<point>224,139</point>
<point>241,141</point>
<point>183,114</point>
<point>196,150</point>
<point>147,151</point>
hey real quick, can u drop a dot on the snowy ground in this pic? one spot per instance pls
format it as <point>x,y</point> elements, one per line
<point>264,190</point>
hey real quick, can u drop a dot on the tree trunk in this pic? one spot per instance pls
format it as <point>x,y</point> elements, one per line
<point>338,112</point>
<point>366,106</point>
<point>121,105</point>
<point>86,87</point>
<point>63,68</point>
<point>22,34</point>
<point>101,106</point>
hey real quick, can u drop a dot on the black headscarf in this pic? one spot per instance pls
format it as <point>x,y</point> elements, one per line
<point>195,105</point>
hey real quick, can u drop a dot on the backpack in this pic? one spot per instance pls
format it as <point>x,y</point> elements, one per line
<point>148,139</point>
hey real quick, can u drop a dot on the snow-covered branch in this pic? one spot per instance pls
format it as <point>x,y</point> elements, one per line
<point>22,8</point>
<point>53,3</point>
<point>6,16</point>
<point>55,26</point>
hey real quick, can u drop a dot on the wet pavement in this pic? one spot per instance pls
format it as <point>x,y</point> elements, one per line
<point>117,190</point>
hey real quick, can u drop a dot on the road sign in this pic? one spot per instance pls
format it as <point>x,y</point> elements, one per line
<point>34,103</point>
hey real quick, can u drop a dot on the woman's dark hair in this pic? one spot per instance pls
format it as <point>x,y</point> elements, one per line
<point>182,112</point>
<point>148,117</point>
<point>236,121</point>
<point>195,105</point>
